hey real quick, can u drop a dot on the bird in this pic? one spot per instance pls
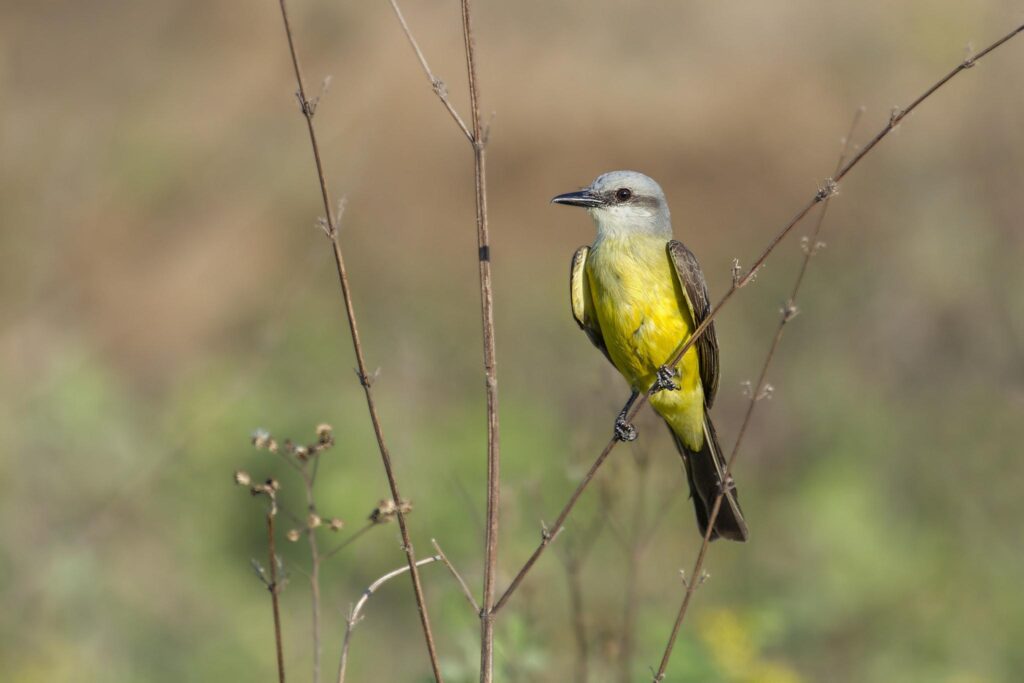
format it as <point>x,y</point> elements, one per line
<point>638,294</point>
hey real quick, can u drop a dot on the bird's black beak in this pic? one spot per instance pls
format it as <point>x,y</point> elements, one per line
<point>584,198</point>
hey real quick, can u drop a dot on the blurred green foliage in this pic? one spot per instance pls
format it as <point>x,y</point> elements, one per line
<point>165,292</point>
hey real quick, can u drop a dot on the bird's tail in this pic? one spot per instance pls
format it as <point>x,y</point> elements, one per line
<point>705,470</point>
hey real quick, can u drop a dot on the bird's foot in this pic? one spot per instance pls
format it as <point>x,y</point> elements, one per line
<point>665,380</point>
<point>727,486</point>
<point>624,431</point>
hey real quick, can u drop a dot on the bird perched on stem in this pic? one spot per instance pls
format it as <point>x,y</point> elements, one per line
<point>638,294</point>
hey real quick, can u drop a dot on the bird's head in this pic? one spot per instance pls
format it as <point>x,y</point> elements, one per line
<point>622,203</point>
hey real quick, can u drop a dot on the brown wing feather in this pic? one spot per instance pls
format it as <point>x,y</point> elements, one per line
<point>696,290</point>
<point>582,303</point>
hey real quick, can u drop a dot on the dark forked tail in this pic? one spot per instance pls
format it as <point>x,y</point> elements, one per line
<point>705,470</point>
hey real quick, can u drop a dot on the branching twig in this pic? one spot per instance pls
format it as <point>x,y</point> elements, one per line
<point>458,577</point>
<point>740,280</point>
<point>477,139</point>
<point>355,614</point>
<point>789,310</point>
<point>332,228</point>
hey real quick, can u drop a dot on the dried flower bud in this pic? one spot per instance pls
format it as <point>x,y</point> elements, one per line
<point>272,446</point>
<point>324,432</point>
<point>273,485</point>
<point>336,524</point>
<point>302,453</point>
<point>386,510</point>
<point>242,478</point>
<point>261,439</point>
<point>313,520</point>
<point>293,535</point>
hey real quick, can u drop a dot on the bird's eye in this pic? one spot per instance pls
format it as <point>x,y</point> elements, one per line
<point>623,194</point>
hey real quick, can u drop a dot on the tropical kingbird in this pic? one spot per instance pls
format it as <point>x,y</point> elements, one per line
<point>638,294</point>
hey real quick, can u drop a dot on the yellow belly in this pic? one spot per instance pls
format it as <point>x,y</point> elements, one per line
<point>643,316</point>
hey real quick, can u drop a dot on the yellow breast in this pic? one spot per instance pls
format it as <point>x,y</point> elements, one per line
<point>643,317</point>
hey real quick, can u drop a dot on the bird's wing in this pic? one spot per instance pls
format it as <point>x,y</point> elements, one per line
<point>696,291</point>
<point>582,303</point>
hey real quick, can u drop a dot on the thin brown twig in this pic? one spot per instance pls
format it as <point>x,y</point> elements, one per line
<point>458,577</point>
<point>477,137</point>
<point>825,192</point>
<point>274,587</point>
<point>308,479</point>
<point>332,228</point>
<point>490,360</point>
<point>436,83</point>
<point>790,310</point>
<point>355,614</point>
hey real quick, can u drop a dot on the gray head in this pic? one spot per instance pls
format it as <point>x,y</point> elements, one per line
<point>623,202</point>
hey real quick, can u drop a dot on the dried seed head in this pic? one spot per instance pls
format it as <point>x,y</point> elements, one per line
<point>386,510</point>
<point>324,433</point>
<point>273,485</point>
<point>242,478</point>
<point>336,524</point>
<point>302,453</point>
<point>293,535</point>
<point>313,520</point>
<point>261,439</point>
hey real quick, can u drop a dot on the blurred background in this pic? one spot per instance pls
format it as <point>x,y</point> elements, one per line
<point>165,292</point>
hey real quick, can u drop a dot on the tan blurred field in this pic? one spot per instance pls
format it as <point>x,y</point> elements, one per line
<point>165,291</point>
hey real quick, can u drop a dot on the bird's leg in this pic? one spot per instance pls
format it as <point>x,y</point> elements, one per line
<point>624,431</point>
<point>665,379</point>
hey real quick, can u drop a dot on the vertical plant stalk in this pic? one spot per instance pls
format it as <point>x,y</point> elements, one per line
<point>740,280</point>
<point>314,572</point>
<point>275,588</point>
<point>331,228</point>
<point>479,143</point>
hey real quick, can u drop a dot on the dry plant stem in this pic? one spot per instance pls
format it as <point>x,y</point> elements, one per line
<point>458,577</point>
<point>275,590</point>
<point>314,575</point>
<point>787,314</point>
<point>439,88</point>
<point>356,614</point>
<point>478,140</point>
<point>738,283</point>
<point>490,363</point>
<point>308,110</point>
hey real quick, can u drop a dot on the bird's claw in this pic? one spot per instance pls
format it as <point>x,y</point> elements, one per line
<point>665,379</point>
<point>624,431</point>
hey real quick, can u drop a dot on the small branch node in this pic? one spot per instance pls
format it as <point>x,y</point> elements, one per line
<point>737,272</point>
<point>367,380</point>
<point>896,115</point>
<point>747,388</point>
<point>969,60</point>
<point>829,189</point>
<point>789,311</point>
<point>766,392</point>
